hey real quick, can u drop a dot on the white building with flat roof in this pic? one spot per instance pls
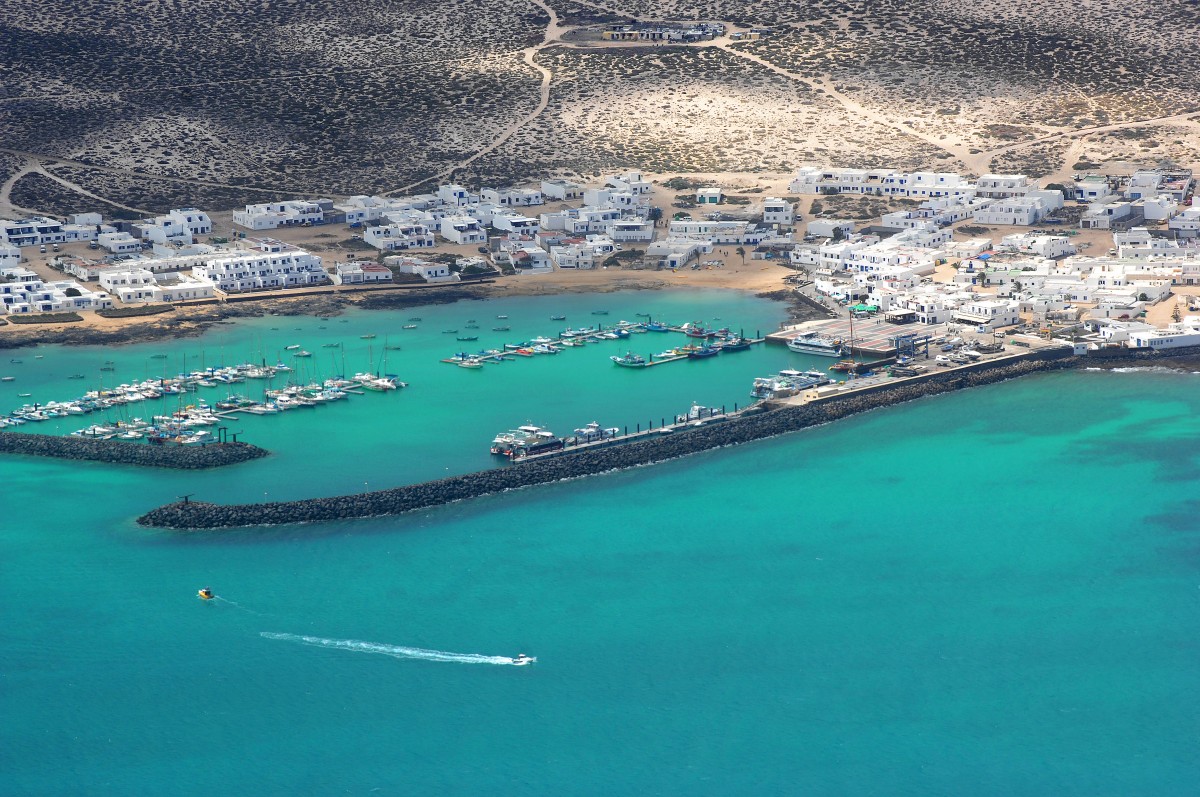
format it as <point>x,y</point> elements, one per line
<point>399,236</point>
<point>778,211</point>
<point>23,292</point>
<point>360,272</point>
<point>288,213</point>
<point>462,230</point>
<point>561,190</point>
<point>272,265</point>
<point>427,270</point>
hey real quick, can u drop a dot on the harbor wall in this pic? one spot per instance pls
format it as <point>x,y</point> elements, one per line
<point>692,440</point>
<point>212,455</point>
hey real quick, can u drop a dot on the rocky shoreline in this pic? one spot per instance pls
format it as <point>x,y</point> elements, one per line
<point>212,455</point>
<point>776,421</point>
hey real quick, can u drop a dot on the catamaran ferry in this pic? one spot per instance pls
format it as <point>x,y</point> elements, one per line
<point>821,345</point>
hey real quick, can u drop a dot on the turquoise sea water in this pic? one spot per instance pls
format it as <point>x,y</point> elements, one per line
<point>991,592</point>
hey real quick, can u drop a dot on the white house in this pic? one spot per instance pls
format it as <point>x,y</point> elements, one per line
<point>289,213</point>
<point>516,223</point>
<point>778,211</point>
<point>1187,223</point>
<point>582,253</point>
<point>181,225</point>
<point>455,195</point>
<point>562,190</point>
<point>677,252</point>
<point>33,231</point>
<point>360,272</point>
<point>710,195</point>
<point>119,243</point>
<point>630,230</point>
<point>631,181</point>
<point>462,230</point>
<point>1102,215</point>
<point>22,292</point>
<point>512,197</point>
<point>430,272</point>
<point>827,228</point>
<point>988,313</point>
<point>1091,188</point>
<point>1020,210</point>
<point>1003,186</point>
<point>399,236</point>
<point>1178,334</point>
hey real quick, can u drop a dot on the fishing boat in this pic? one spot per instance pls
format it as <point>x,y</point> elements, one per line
<point>844,366</point>
<point>558,318</point>
<point>469,337</point>
<point>501,329</point>
<point>702,352</point>
<point>814,343</point>
<point>734,344</point>
<point>629,360</point>
<point>654,326</point>
<point>599,312</point>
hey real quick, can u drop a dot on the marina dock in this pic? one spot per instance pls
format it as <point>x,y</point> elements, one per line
<point>543,345</point>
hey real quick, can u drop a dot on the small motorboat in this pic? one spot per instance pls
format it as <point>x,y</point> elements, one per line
<point>293,347</point>
<point>449,331</point>
<point>558,318</point>
<point>76,376</point>
<point>205,594</point>
<point>158,356</point>
<point>468,337</point>
<point>302,353</point>
<point>366,337</point>
<point>7,378</point>
<point>501,329</point>
<point>409,326</point>
<point>501,316</point>
<point>520,660</point>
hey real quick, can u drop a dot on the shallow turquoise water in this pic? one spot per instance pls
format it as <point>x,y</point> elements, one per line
<point>992,592</point>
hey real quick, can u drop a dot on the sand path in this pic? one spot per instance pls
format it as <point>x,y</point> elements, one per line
<point>554,31</point>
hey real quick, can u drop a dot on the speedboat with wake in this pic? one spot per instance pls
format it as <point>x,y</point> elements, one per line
<point>521,660</point>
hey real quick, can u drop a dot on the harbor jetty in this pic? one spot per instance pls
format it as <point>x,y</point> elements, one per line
<point>211,455</point>
<point>778,419</point>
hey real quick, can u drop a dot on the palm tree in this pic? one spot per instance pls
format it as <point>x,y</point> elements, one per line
<point>741,251</point>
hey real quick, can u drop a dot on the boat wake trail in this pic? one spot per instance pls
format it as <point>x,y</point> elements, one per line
<point>395,651</point>
<point>236,605</point>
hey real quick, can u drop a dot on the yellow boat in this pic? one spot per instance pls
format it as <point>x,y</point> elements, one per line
<point>205,594</point>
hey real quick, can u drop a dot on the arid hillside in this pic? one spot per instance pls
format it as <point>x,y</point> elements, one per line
<point>134,107</point>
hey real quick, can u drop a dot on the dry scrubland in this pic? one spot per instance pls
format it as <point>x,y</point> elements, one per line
<point>222,103</point>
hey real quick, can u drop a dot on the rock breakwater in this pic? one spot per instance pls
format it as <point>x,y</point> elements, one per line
<point>777,421</point>
<point>213,455</point>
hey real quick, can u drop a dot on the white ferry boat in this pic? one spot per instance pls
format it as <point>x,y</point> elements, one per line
<point>814,343</point>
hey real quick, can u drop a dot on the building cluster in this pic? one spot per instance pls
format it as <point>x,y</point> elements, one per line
<point>683,33</point>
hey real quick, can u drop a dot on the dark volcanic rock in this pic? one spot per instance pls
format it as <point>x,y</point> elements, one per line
<point>212,455</point>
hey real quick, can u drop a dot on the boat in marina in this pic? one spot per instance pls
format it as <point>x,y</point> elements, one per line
<point>844,366</point>
<point>629,360</point>
<point>787,383</point>
<point>367,337</point>
<point>820,345</point>
<point>293,347</point>
<point>544,348</point>
<point>302,353</point>
<point>703,352</point>
<point>734,344</point>
<point>654,326</point>
<point>330,345</point>
<point>593,431</point>
<point>470,362</point>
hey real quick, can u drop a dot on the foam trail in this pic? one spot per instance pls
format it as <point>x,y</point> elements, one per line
<point>396,651</point>
<point>236,605</point>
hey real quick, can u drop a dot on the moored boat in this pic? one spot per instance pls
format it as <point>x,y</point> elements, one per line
<point>629,360</point>
<point>814,343</point>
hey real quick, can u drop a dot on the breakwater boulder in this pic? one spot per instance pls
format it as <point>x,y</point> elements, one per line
<point>212,455</point>
<point>575,464</point>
